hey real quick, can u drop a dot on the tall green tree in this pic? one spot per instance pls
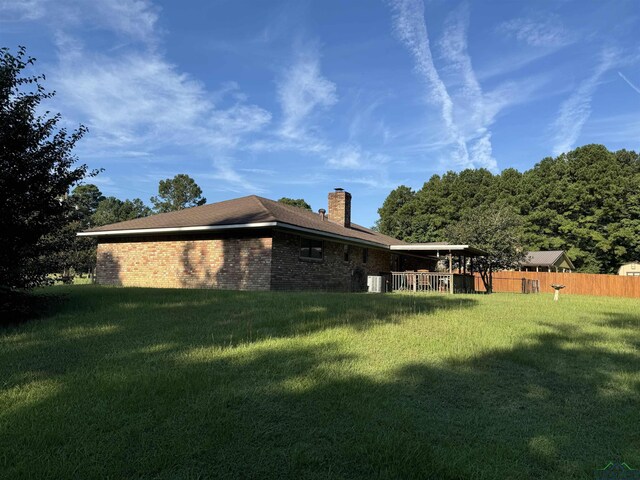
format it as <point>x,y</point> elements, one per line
<point>113,210</point>
<point>423,216</point>
<point>37,169</point>
<point>295,202</point>
<point>395,216</point>
<point>177,193</point>
<point>586,202</point>
<point>498,231</point>
<point>85,199</point>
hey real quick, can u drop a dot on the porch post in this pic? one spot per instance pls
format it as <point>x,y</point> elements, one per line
<point>450,273</point>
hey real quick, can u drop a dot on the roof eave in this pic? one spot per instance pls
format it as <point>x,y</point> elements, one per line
<point>170,230</point>
<point>214,228</point>
<point>422,247</point>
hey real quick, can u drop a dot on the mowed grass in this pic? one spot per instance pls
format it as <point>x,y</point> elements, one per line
<point>142,383</point>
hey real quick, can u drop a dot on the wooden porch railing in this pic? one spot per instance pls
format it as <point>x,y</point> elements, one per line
<point>432,282</point>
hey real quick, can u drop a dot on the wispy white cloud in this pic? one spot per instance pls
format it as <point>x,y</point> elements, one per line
<point>131,99</point>
<point>138,105</point>
<point>454,49</point>
<point>411,28</point>
<point>23,10</point>
<point>238,120</point>
<point>260,171</point>
<point>274,142</point>
<point>347,157</point>
<point>467,111</point>
<point>538,31</point>
<point>142,103</point>
<point>510,63</point>
<point>134,19</point>
<point>103,180</point>
<point>227,178</point>
<point>305,179</point>
<point>303,94</point>
<point>575,111</point>
<point>363,122</point>
<point>616,131</point>
<point>474,112</point>
<point>228,89</point>
<point>482,151</point>
<point>303,90</point>
<point>629,82</point>
<point>354,157</point>
<point>381,182</point>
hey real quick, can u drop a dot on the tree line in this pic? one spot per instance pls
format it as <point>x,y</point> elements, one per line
<point>586,202</point>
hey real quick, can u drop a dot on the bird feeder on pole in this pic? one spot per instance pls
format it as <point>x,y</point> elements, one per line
<point>557,287</point>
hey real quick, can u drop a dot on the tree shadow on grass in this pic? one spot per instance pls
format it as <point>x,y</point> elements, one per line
<point>19,307</point>
<point>97,322</point>
<point>553,406</point>
<point>622,320</point>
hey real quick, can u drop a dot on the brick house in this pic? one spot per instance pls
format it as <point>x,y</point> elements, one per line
<point>250,243</point>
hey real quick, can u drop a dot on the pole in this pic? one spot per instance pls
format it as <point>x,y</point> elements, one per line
<point>450,273</point>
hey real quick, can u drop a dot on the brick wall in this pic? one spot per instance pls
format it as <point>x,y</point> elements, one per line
<point>290,272</point>
<point>258,262</point>
<point>186,262</point>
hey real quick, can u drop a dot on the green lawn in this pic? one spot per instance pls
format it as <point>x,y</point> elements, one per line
<point>142,383</point>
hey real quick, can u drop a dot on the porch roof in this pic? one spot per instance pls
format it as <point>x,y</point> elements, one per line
<point>438,248</point>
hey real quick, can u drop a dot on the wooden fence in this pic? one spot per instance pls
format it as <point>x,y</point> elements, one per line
<point>575,283</point>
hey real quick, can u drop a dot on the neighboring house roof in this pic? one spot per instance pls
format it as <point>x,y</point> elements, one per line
<point>551,258</point>
<point>245,212</point>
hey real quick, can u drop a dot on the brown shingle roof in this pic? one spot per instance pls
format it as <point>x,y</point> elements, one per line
<point>248,210</point>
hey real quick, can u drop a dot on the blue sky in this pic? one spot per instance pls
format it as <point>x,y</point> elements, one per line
<point>295,98</point>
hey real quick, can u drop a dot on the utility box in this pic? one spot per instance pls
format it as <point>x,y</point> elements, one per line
<point>375,284</point>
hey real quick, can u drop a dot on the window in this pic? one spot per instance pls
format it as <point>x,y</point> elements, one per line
<point>346,252</point>
<point>365,255</point>
<point>310,248</point>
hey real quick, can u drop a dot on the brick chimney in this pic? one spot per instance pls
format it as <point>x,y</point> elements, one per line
<point>340,207</point>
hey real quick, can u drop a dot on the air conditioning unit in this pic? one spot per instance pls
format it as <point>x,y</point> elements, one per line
<point>375,284</point>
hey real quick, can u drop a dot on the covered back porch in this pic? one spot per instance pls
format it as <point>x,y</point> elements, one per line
<point>458,280</point>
